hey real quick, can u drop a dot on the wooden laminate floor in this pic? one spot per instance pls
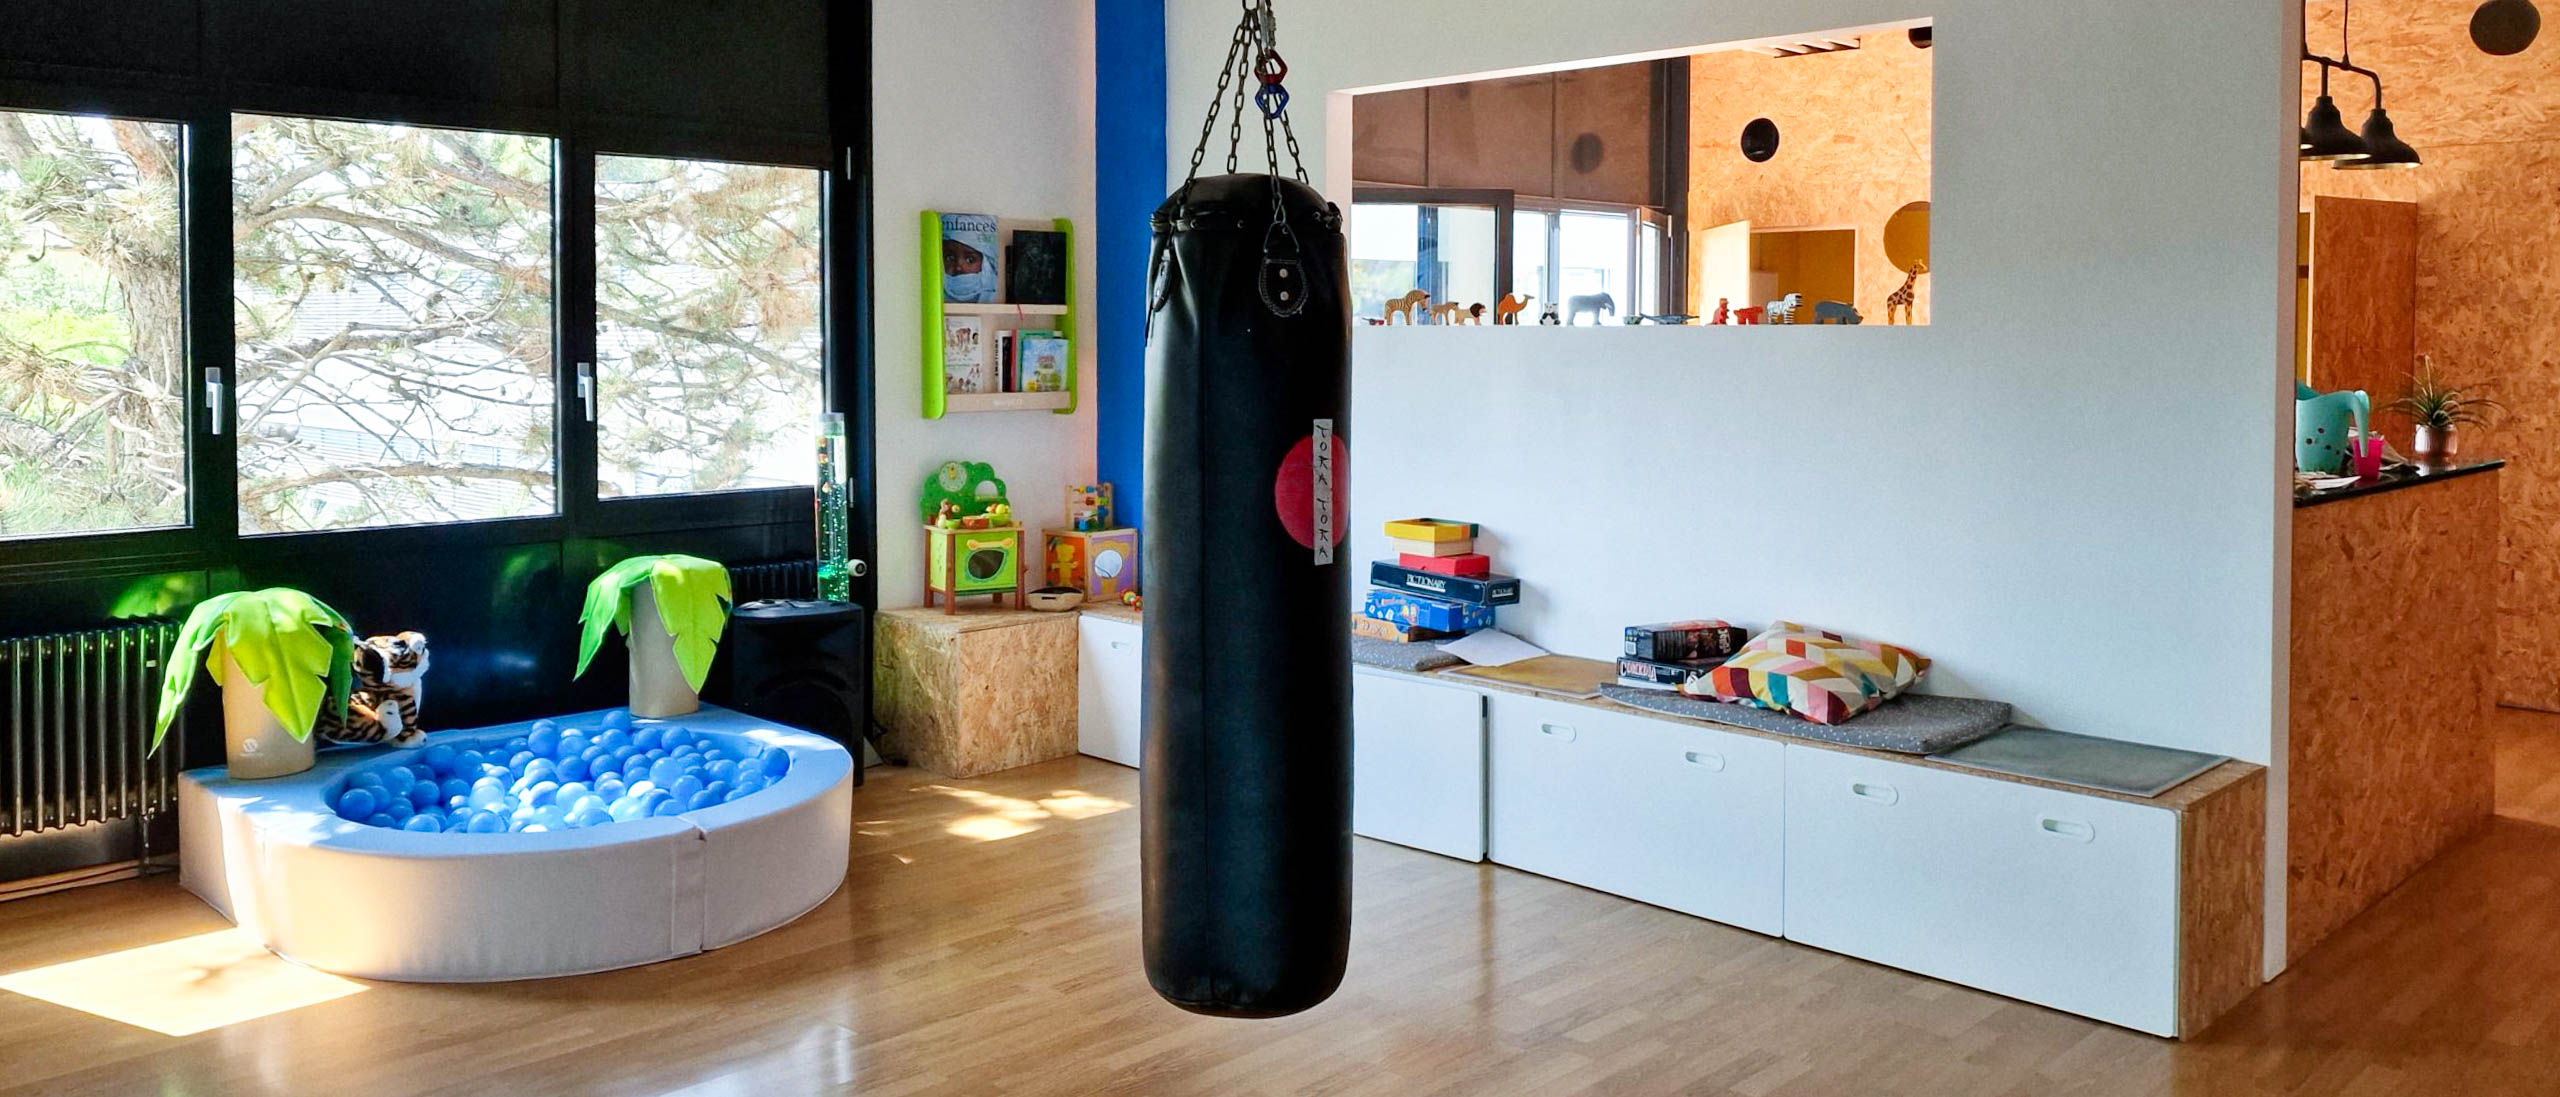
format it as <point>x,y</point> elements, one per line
<point>985,943</point>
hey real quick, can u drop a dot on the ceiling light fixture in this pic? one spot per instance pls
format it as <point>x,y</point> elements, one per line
<point>2379,146</point>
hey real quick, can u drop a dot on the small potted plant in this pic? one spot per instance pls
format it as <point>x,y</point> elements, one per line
<point>280,654</point>
<point>2439,409</point>
<point>670,611</point>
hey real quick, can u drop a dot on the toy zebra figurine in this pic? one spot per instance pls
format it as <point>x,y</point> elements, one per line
<point>1783,310</point>
<point>1903,297</point>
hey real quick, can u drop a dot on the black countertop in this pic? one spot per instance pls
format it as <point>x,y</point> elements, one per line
<point>2406,476</point>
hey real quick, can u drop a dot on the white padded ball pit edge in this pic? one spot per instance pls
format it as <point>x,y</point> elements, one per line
<point>380,903</point>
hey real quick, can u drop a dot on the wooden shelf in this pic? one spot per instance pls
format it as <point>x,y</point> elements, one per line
<point>1008,401</point>
<point>1002,309</point>
<point>997,315</point>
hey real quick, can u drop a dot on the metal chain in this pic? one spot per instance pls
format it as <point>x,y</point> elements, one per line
<point>1256,38</point>
<point>1244,77</point>
<point>1209,125</point>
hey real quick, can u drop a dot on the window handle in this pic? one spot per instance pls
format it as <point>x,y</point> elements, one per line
<point>216,401</point>
<point>587,388</point>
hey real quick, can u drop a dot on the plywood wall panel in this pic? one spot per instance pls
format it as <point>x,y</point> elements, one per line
<point>2393,684</point>
<point>1855,146</point>
<point>2488,269</point>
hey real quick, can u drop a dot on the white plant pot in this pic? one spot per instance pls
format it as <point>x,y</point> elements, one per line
<point>658,688</point>
<point>254,741</point>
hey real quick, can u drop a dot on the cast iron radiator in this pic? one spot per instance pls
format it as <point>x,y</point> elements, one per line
<point>788,579</point>
<point>75,728</point>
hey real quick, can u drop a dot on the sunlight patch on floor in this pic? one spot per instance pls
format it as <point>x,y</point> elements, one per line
<point>183,987</point>
<point>999,817</point>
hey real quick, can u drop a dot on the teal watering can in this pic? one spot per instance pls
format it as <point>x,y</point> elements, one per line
<point>2321,422</point>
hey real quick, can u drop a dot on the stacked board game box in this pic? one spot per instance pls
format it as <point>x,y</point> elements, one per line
<point>1674,655</point>
<point>1437,588</point>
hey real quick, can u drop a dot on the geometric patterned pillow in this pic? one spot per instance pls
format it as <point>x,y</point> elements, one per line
<point>1820,676</point>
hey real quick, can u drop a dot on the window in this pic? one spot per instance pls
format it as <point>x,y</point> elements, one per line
<point>393,324</point>
<point>1591,257</point>
<point>93,383</point>
<point>709,340</point>
<point>1446,243</point>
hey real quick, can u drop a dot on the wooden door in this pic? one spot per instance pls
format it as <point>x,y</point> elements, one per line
<point>1723,258</point>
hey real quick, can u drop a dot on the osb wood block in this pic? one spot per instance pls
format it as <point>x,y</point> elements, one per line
<point>2221,900</point>
<point>2393,656</point>
<point>975,613</point>
<point>965,701</point>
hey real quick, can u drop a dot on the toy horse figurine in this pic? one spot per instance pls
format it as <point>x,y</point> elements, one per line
<point>1448,313</point>
<point>1508,309</point>
<point>1902,298</point>
<point>1404,306</point>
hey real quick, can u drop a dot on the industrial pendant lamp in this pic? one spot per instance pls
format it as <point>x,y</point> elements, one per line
<point>2326,136</point>
<point>2388,150</point>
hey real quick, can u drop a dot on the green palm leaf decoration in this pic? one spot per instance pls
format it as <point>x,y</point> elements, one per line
<point>693,603</point>
<point>289,642</point>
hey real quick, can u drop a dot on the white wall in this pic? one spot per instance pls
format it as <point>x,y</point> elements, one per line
<point>2067,490</point>
<point>981,106</point>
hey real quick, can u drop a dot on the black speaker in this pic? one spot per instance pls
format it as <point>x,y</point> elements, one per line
<point>802,663</point>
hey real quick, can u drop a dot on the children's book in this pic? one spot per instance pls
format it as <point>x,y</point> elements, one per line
<point>964,354</point>
<point>1043,365</point>
<point>1036,268</point>
<point>969,267</point>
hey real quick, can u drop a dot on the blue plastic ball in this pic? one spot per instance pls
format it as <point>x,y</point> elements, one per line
<point>625,810</point>
<point>442,759</point>
<point>719,790</point>
<point>665,771</point>
<point>590,817</point>
<point>641,788</point>
<point>512,745</point>
<point>574,742</point>
<point>551,815</point>
<point>451,787</point>
<point>399,809</point>
<point>685,786</point>
<point>423,824</point>
<point>367,778</point>
<point>654,799</point>
<point>700,800</point>
<point>544,742</point>
<point>488,798</point>
<point>356,803</point>
<point>573,768</point>
<point>667,807</point>
<point>618,720</point>
<point>722,770</point>
<point>378,819</point>
<point>614,738</point>
<point>486,822</point>
<point>424,795</point>
<point>648,738</point>
<point>397,779</point>
<point>542,794</point>
<point>654,753</point>
<point>774,762</point>
<point>422,772</point>
<point>520,759</point>
<point>585,801</point>
<point>611,789</point>
<point>571,790</point>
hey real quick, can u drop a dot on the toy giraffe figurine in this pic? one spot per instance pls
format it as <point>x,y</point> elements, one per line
<point>1903,297</point>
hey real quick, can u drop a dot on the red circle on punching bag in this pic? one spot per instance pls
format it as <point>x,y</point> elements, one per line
<point>1293,491</point>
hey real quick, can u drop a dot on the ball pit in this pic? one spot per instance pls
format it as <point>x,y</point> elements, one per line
<point>558,776</point>
<point>364,866</point>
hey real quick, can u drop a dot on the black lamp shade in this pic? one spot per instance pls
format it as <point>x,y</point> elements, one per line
<point>2388,150</point>
<point>2503,28</point>
<point>2325,135</point>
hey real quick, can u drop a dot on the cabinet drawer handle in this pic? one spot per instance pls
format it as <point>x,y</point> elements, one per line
<point>1882,794</point>
<point>1119,645</point>
<point>1557,731</point>
<point>1704,759</point>
<point>2067,829</point>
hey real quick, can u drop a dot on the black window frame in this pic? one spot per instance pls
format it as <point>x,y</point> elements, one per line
<point>203,106</point>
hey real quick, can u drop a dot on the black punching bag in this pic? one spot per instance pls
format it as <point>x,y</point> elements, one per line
<point>1247,776</point>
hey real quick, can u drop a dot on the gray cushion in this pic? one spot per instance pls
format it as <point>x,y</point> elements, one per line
<point>1914,723</point>
<point>1371,651</point>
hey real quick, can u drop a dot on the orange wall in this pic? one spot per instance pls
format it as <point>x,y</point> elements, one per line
<point>2488,267</point>
<point>1853,148</point>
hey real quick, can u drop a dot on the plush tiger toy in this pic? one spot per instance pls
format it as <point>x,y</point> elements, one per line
<point>390,676</point>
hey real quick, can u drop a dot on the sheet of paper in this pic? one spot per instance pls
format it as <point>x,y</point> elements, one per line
<point>1492,648</point>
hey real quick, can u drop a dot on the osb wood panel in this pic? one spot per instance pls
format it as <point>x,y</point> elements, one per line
<point>969,701</point>
<point>1854,133</point>
<point>2488,271</point>
<point>2364,298</point>
<point>1495,133</point>
<point>2394,639</point>
<point>2222,859</point>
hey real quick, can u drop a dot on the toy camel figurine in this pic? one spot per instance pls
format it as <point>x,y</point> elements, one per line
<point>1404,306</point>
<point>1724,311</point>
<point>1508,309</point>
<point>1902,298</point>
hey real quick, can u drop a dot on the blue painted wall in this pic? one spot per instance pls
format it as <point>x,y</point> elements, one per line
<point>1129,173</point>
